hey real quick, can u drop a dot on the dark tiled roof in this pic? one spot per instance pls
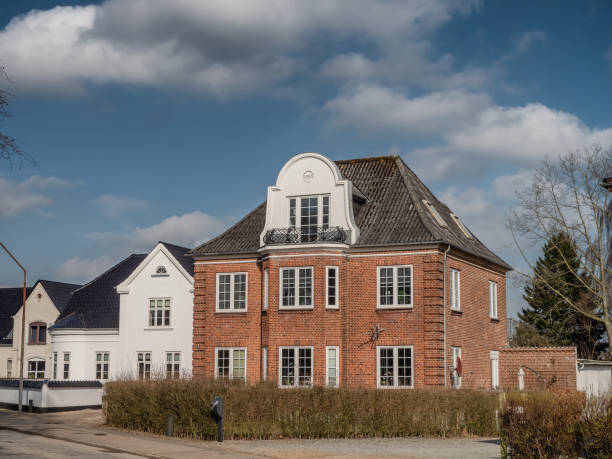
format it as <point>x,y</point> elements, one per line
<point>393,214</point>
<point>96,305</point>
<point>59,292</point>
<point>11,300</point>
<point>180,253</point>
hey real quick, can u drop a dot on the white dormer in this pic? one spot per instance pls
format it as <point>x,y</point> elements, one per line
<point>310,203</point>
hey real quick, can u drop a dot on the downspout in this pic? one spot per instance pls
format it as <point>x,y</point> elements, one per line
<point>444,307</point>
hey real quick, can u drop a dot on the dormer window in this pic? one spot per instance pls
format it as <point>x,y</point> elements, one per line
<point>161,270</point>
<point>463,229</point>
<point>432,210</point>
<point>309,213</point>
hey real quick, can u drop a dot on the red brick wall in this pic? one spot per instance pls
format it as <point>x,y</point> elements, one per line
<point>420,326</point>
<point>555,365</point>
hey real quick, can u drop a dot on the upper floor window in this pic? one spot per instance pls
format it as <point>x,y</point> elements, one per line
<point>455,290</point>
<point>266,282</point>
<point>395,366</point>
<point>38,333</point>
<point>493,299</point>
<point>36,369</point>
<point>309,213</point>
<point>161,270</point>
<point>296,287</point>
<point>395,286</point>
<point>231,292</point>
<point>434,212</point>
<point>331,284</point>
<point>159,312</point>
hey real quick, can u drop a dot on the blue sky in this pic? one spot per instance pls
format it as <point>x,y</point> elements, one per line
<point>165,120</point>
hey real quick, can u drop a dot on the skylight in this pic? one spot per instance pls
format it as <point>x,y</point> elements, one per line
<point>434,213</point>
<point>461,227</point>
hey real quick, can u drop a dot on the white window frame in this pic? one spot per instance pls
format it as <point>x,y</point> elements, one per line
<point>456,352</point>
<point>54,369</point>
<point>394,305</point>
<point>233,275</point>
<point>38,361</point>
<point>337,368</point>
<point>231,362</point>
<point>296,306</point>
<point>9,368</point>
<point>266,287</point>
<point>160,310</point>
<point>395,367</point>
<point>327,270</point>
<point>493,300</point>
<point>494,357</point>
<point>64,363</point>
<point>265,363</point>
<point>173,364</point>
<point>296,363</point>
<point>102,378</point>
<point>455,294</point>
<point>144,365</point>
<point>298,209</point>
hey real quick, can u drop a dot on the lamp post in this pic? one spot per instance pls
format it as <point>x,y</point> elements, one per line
<point>23,318</point>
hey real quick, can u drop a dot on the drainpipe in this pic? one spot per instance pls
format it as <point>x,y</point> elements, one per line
<point>444,306</point>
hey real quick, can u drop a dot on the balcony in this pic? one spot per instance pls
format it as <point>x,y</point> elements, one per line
<point>307,234</point>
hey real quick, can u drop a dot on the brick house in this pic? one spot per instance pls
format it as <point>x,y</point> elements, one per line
<point>351,274</point>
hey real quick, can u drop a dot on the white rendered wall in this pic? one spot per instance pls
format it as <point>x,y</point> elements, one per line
<point>83,346</point>
<point>594,379</point>
<point>135,334</point>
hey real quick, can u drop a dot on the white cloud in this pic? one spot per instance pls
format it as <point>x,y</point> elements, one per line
<point>28,196</point>
<point>83,270</point>
<point>506,186</point>
<point>216,46</point>
<point>528,39</point>
<point>113,205</point>
<point>188,230</point>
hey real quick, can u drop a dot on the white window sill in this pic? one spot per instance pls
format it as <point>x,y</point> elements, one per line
<point>295,387</point>
<point>395,387</point>
<point>231,311</point>
<point>295,308</point>
<point>160,328</point>
<point>333,308</point>
<point>493,318</point>
<point>394,306</point>
<point>455,310</point>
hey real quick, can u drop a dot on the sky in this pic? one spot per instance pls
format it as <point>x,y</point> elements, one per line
<point>153,120</point>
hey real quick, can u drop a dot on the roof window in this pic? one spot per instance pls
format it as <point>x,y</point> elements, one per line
<point>434,213</point>
<point>461,226</point>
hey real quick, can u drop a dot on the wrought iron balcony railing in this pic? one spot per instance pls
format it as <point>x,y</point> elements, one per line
<point>306,234</point>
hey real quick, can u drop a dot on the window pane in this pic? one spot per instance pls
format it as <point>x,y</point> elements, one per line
<point>287,367</point>
<point>305,286</point>
<point>33,333</point>
<point>386,366</point>
<point>305,367</point>
<point>152,303</point>
<point>238,363</point>
<point>240,291</point>
<point>224,291</point>
<point>288,287</point>
<point>223,363</point>
<point>404,284</point>
<point>159,303</point>
<point>386,286</point>
<point>325,216</point>
<point>167,317</point>
<point>404,366</point>
<point>292,213</point>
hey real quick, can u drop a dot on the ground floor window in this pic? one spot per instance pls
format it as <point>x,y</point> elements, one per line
<point>173,364</point>
<point>331,365</point>
<point>295,366</point>
<point>66,365</point>
<point>230,363</point>
<point>54,365</point>
<point>144,365</point>
<point>36,369</point>
<point>102,363</point>
<point>395,366</point>
<point>494,355</point>
<point>9,368</point>
<point>457,369</point>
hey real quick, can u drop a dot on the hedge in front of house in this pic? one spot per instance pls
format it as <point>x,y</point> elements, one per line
<point>264,411</point>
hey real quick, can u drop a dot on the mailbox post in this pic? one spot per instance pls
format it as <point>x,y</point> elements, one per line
<point>216,411</point>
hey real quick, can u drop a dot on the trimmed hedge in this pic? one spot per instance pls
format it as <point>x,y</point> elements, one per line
<point>264,411</point>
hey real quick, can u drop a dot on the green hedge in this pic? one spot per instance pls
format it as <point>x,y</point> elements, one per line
<point>265,411</point>
<point>553,425</point>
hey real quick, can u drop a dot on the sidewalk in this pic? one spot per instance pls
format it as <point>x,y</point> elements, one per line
<point>85,427</point>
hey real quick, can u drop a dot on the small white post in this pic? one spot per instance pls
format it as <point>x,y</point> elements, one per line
<point>521,379</point>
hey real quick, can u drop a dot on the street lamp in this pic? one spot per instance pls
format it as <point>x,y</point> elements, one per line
<point>23,318</point>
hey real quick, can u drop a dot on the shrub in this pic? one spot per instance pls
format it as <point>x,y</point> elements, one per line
<point>264,411</point>
<point>595,428</point>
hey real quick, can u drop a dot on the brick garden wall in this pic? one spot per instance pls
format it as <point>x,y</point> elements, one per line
<point>556,367</point>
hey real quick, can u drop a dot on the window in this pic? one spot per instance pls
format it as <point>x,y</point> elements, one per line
<point>457,369</point>
<point>295,366</point>
<point>38,333</point>
<point>265,363</point>
<point>102,361</point>
<point>9,368</point>
<point>455,290</point>
<point>231,292</point>
<point>266,271</point>
<point>461,226</point>
<point>432,210</point>
<point>66,365</point>
<point>331,287</point>
<point>494,355</point>
<point>310,212</point>
<point>159,312</point>
<point>36,369</point>
<point>144,365</point>
<point>331,364</point>
<point>55,365</point>
<point>161,270</point>
<point>493,299</point>
<point>173,364</point>
<point>395,286</point>
<point>395,367</point>
<point>230,363</point>
<point>296,287</point>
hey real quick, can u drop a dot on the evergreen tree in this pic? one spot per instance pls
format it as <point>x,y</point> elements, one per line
<point>549,313</point>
